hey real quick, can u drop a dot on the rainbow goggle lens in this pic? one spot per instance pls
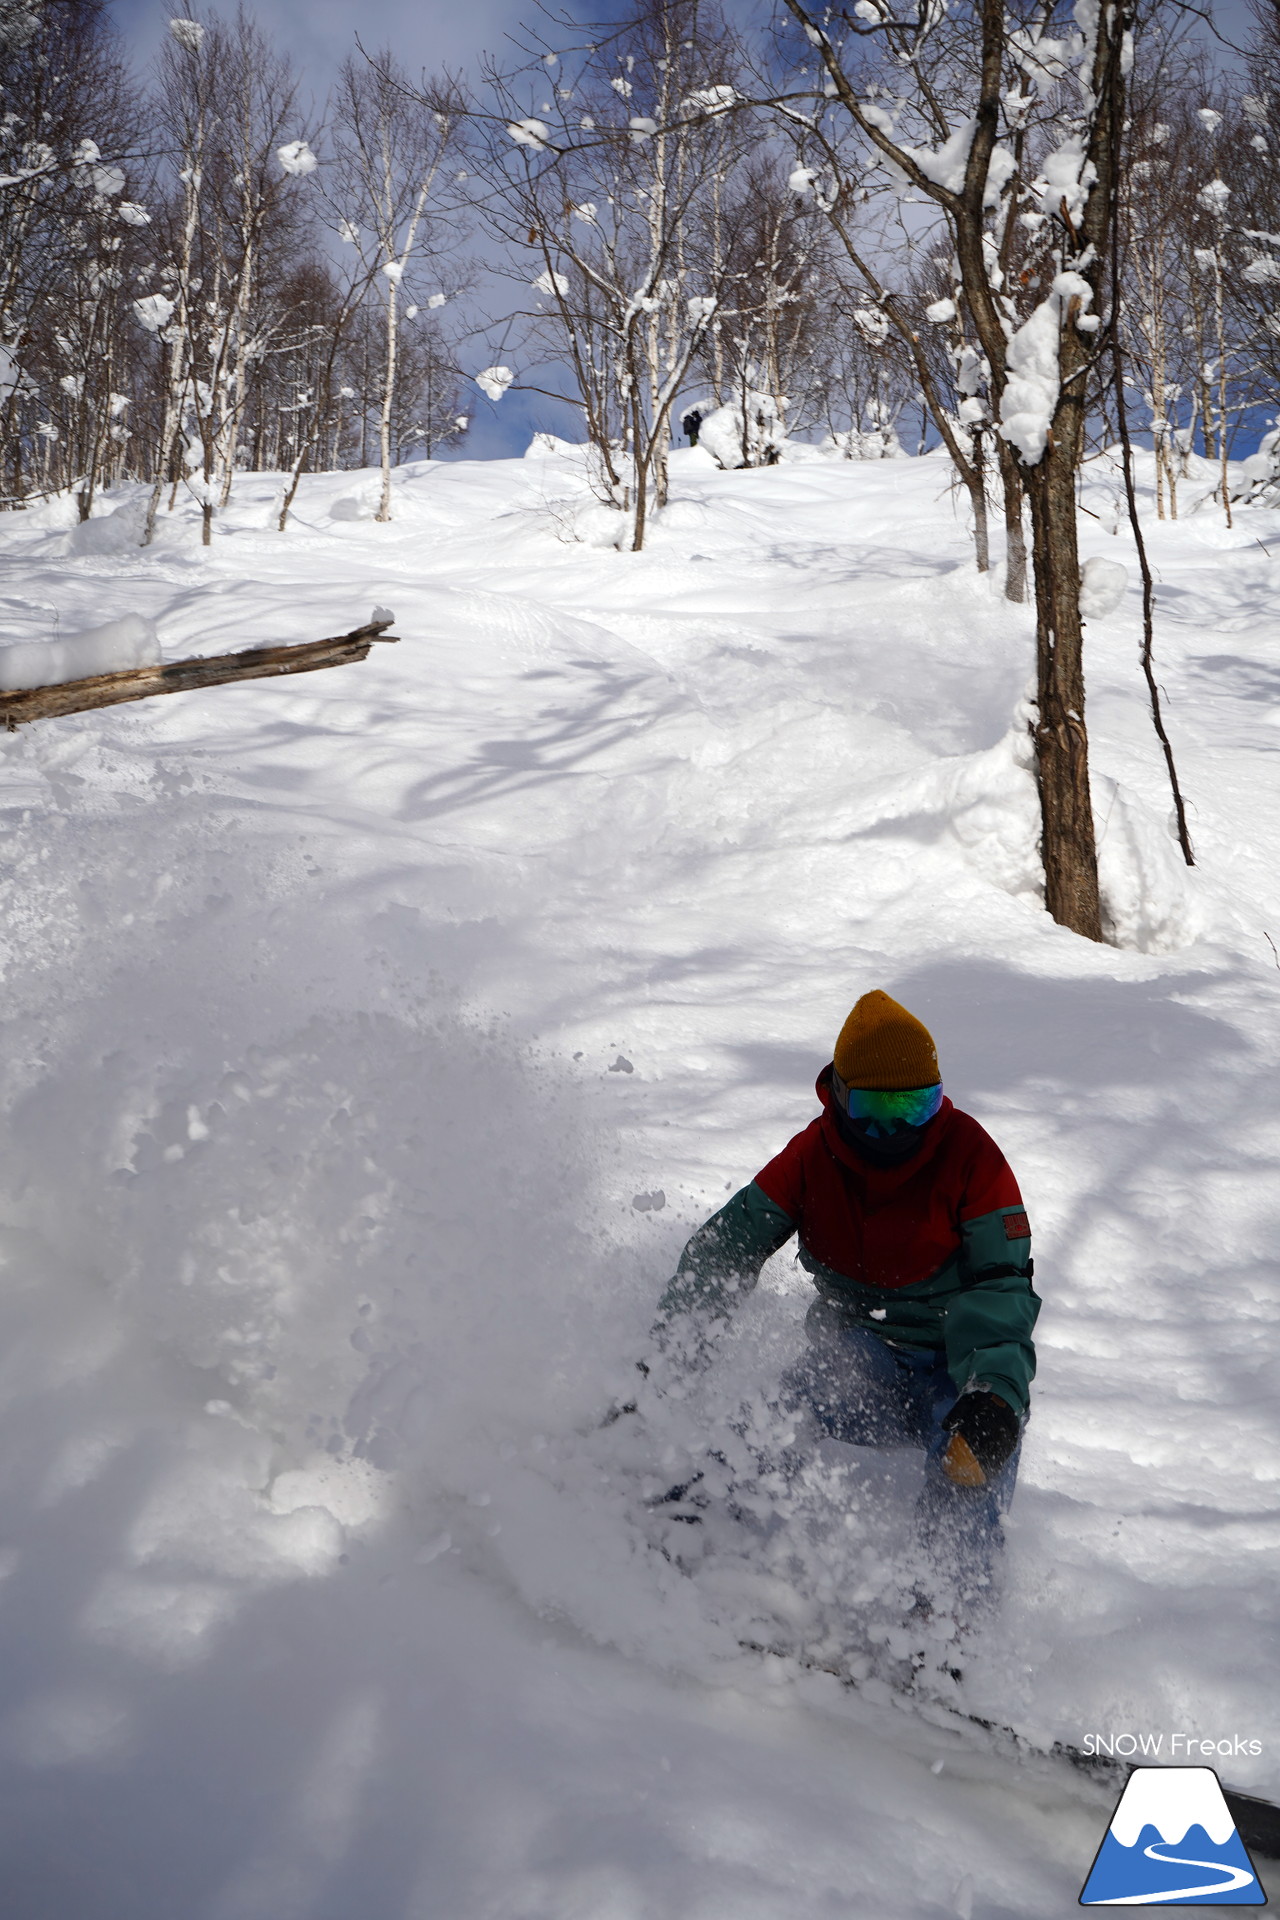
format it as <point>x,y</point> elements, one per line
<point>890,1108</point>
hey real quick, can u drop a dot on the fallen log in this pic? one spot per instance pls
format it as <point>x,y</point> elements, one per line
<point>184,676</point>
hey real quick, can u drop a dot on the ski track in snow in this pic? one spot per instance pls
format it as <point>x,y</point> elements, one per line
<point>348,1019</point>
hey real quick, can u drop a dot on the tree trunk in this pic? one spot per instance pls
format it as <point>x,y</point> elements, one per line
<point>1062,743</point>
<point>1015,539</point>
<point>388,397</point>
<point>639,470</point>
<point>168,435</point>
<point>978,495</point>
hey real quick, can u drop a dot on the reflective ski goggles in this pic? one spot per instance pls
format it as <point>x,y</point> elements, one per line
<point>888,1108</point>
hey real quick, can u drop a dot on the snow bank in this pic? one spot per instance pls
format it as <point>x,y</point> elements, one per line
<point>113,647</point>
<point>1150,898</point>
<point>115,526</point>
<point>550,446</point>
<point>360,505</point>
<point>987,805</point>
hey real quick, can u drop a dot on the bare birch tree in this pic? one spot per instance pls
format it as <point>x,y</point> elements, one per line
<point>596,160</point>
<point>391,145</point>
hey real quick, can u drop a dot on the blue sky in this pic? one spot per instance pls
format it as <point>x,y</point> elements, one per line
<point>427,33</point>
<point>318,33</point>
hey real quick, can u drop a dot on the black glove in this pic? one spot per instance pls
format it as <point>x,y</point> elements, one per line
<point>984,1432</point>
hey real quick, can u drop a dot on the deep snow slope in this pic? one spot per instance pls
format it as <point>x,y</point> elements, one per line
<point>374,1039</point>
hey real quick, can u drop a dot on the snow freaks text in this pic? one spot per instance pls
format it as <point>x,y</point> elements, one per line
<point>1171,1746</point>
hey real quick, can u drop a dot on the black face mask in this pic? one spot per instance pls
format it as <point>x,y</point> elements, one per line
<point>886,1150</point>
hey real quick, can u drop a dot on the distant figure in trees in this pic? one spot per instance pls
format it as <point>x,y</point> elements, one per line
<point>691,422</point>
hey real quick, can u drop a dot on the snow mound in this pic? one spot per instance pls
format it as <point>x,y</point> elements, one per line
<point>988,805</point>
<point>595,525</point>
<point>544,445</point>
<point>749,433</point>
<point>683,516</point>
<point>57,510</point>
<point>115,647</point>
<point>1103,585</point>
<point>362,505</point>
<point>1150,899</point>
<point>116,530</point>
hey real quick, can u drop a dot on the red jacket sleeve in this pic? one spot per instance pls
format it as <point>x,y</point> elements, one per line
<point>990,1183</point>
<point>782,1180</point>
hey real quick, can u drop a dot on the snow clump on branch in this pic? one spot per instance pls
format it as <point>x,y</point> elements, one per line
<point>494,381</point>
<point>534,134</point>
<point>188,34</point>
<point>944,165</point>
<point>153,312</point>
<point>871,324</point>
<point>1066,178</point>
<point>297,158</point>
<point>709,100</point>
<point>1031,393</point>
<point>1044,60</point>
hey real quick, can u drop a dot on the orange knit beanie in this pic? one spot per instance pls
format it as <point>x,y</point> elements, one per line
<point>883,1047</point>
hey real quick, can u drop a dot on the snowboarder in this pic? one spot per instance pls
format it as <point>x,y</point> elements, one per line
<point>914,1233</point>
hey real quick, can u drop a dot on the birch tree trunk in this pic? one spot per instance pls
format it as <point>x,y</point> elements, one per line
<point>186,83</point>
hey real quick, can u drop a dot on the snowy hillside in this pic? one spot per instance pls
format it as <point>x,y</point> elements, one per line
<point>374,1041</point>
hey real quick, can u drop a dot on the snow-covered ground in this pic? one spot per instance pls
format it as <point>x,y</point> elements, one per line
<point>375,1038</point>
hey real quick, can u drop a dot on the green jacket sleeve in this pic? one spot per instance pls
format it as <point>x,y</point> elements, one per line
<point>990,1320</point>
<point>722,1261</point>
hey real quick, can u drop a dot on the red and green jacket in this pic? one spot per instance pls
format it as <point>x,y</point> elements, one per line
<point>933,1251</point>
